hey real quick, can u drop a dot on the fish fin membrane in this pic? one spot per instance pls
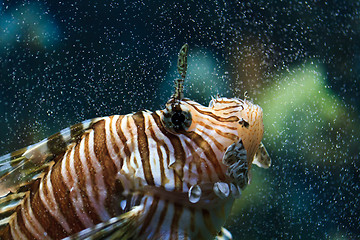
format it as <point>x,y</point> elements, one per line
<point>21,167</point>
<point>235,158</point>
<point>8,205</point>
<point>262,158</point>
<point>224,235</point>
<point>125,226</point>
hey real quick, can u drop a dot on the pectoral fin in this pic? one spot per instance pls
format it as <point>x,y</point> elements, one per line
<point>262,158</point>
<point>125,226</point>
<point>224,235</point>
<point>21,167</point>
<point>235,158</point>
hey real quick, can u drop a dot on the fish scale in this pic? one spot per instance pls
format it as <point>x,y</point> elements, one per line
<point>170,174</point>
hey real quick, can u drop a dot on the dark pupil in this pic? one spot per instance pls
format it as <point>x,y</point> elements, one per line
<point>177,118</point>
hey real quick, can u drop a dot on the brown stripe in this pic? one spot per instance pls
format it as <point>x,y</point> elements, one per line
<point>20,219</point>
<point>230,107</point>
<point>113,141</point>
<point>160,143</point>
<point>87,207</point>
<point>208,151</point>
<point>122,137</point>
<point>109,168</point>
<point>213,139</point>
<point>131,139</point>
<point>16,154</point>
<point>232,112</point>
<point>205,121</point>
<point>179,152</point>
<point>218,118</point>
<point>208,223</point>
<point>62,197</point>
<point>67,165</point>
<point>226,134</point>
<point>229,101</point>
<point>192,220</point>
<point>143,146</point>
<point>56,143</point>
<point>47,221</point>
<point>149,215</point>
<point>5,233</point>
<point>197,161</point>
<point>76,130</point>
<point>114,186</point>
<point>161,219</point>
<point>178,209</point>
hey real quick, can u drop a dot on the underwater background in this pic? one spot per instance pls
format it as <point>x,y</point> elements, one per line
<point>62,62</point>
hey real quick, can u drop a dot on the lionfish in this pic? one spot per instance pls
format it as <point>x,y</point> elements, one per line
<point>169,174</point>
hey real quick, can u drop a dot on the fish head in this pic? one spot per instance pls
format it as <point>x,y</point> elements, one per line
<point>247,120</point>
<point>226,119</point>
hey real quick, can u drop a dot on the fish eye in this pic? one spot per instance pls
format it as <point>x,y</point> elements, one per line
<point>177,120</point>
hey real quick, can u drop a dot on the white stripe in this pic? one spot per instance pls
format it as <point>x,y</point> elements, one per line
<point>155,219</point>
<point>5,162</point>
<point>165,227</point>
<point>37,149</point>
<point>135,153</point>
<point>118,140</point>
<point>205,164</point>
<point>184,224</point>
<point>66,134</point>
<point>87,123</point>
<point>154,159</point>
<point>64,172</point>
<point>169,173</point>
<point>86,173</point>
<point>33,226</point>
<point>113,155</point>
<point>50,203</point>
<point>125,131</point>
<point>15,230</point>
<point>99,176</point>
<point>75,193</point>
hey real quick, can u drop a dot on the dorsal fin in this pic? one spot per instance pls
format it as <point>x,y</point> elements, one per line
<point>19,168</point>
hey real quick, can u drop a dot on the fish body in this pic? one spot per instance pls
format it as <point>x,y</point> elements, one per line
<point>168,174</point>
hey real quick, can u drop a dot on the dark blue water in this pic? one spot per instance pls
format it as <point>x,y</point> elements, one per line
<point>62,63</point>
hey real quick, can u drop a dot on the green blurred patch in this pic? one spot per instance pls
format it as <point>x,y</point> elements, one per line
<point>303,119</point>
<point>299,108</point>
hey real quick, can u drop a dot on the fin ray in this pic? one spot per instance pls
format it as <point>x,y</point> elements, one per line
<point>124,226</point>
<point>24,165</point>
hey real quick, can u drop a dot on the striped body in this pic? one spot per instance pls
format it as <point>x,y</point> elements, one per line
<point>123,161</point>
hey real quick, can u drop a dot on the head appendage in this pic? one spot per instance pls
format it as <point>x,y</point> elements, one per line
<point>182,68</point>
